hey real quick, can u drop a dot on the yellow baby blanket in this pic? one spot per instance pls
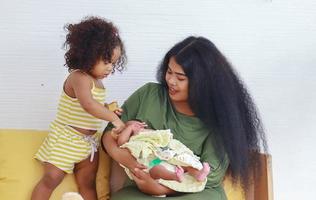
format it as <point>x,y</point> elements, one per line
<point>149,145</point>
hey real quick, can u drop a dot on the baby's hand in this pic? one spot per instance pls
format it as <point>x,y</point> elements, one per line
<point>137,127</point>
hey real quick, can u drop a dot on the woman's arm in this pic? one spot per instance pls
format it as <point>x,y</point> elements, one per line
<point>142,179</point>
<point>148,185</point>
<point>122,156</point>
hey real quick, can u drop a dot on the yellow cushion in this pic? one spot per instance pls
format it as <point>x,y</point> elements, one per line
<point>19,172</point>
<point>233,192</point>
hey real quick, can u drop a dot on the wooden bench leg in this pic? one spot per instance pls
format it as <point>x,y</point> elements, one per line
<point>262,188</point>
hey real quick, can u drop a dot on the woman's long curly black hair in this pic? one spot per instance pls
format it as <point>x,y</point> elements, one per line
<point>219,98</point>
<point>90,40</point>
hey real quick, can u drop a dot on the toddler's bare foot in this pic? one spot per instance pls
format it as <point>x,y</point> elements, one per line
<point>204,172</point>
<point>179,173</point>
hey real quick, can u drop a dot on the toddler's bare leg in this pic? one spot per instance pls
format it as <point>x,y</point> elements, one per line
<point>85,174</point>
<point>50,180</point>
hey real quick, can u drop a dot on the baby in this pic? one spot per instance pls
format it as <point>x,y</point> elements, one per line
<point>166,158</point>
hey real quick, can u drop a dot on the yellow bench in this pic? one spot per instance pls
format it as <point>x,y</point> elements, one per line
<point>19,172</point>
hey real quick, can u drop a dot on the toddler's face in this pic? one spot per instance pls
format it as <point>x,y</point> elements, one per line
<point>102,69</point>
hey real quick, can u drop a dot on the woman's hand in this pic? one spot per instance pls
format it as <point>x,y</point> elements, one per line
<point>126,159</point>
<point>148,185</point>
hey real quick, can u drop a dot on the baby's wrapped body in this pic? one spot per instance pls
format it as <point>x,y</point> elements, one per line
<point>152,147</point>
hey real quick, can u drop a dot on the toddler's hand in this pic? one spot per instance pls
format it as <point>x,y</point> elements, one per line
<point>113,106</point>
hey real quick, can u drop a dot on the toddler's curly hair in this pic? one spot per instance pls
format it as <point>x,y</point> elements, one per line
<point>90,40</point>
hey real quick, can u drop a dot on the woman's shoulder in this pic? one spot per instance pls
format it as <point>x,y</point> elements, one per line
<point>149,94</point>
<point>152,85</point>
<point>150,88</point>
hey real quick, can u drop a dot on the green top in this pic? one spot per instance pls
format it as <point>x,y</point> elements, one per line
<point>151,104</point>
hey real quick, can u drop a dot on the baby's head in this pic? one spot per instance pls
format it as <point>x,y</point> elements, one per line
<point>94,43</point>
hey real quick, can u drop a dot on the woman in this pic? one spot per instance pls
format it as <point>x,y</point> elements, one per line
<point>201,99</point>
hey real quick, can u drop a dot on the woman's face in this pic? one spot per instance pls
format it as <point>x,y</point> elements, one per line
<point>177,81</point>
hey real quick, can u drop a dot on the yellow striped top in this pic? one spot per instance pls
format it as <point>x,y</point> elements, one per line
<point>70,111</point>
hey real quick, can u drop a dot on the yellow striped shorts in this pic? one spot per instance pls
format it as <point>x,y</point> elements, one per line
<point>65,146</point>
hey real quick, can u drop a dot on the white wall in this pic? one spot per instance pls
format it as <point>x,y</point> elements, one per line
<point>272,43</point>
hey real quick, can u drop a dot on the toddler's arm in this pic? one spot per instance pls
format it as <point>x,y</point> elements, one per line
<point>81,85</point>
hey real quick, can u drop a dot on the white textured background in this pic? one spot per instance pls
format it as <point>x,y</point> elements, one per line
<point>272,43</point>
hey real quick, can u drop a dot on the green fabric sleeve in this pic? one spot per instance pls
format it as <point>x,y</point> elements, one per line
<point>218,166</point>
<point>132,104</point>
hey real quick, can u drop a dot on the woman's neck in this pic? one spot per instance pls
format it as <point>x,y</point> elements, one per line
<point>183,107</point>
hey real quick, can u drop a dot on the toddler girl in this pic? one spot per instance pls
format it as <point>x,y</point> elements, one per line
<point>94,51</point>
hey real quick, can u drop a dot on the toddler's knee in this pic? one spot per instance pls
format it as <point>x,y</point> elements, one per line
<point>50,181</point>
